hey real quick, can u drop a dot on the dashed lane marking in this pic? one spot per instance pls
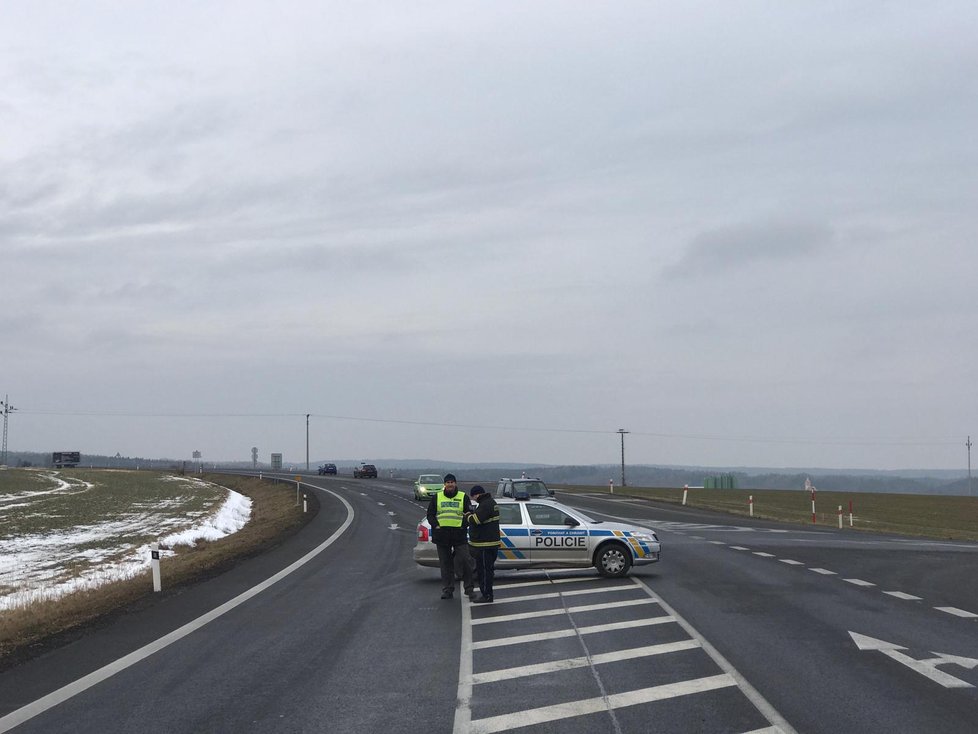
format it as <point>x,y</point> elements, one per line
<point>739,547</point>
<point>593,629</point>
<point>791,562</point>
<point>859,582</point>
<point>903,595</point>
<point>763,555</point>
<point>581,662</point>
<point>957,612</point>
<point>824,571</point>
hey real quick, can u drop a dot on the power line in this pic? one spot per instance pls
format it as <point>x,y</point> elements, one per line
<point>837,441</point>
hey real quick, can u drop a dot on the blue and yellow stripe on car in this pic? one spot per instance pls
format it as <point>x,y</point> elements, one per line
<point>508,550</point>
<point>639,548</point>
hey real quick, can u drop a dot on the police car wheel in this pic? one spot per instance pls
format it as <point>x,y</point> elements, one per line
<point>613,560</point>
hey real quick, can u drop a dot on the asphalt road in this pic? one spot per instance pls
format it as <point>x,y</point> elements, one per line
<point>743,627</point>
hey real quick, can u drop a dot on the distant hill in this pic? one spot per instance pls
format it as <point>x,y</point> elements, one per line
<point>904,481</point>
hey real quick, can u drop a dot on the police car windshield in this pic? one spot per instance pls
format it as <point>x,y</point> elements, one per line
<point>531,489</point>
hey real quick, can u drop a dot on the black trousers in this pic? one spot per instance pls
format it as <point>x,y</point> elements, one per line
<point>454,561</point>
<point>485,568</point>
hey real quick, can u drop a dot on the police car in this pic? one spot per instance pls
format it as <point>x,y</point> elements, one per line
<point>542,533</point>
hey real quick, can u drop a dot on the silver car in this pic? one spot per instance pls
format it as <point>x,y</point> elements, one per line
<point>541,533</point>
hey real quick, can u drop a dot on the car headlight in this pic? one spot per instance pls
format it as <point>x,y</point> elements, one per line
<point>646,537</point>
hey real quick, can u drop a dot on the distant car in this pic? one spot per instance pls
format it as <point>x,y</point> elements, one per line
<point>546,534</point>
<point>327,469</point>
<point>365,471</point>
<point>523,488</point>
<point>427,485</point>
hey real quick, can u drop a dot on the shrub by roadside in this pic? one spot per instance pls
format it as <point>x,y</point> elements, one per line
<point>29,631</point>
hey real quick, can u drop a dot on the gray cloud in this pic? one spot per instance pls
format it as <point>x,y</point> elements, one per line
<point>696,219</point>
<point>731,248</point>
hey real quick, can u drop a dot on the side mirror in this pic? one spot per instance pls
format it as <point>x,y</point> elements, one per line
<point>571,522</point>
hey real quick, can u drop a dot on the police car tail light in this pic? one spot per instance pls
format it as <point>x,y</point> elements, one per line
<point>423,534</point>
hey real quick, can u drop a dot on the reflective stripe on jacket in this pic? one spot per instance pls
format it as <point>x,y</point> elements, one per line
<point>484,524</point>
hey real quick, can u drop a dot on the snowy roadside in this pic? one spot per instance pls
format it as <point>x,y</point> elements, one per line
<point>50,565</point>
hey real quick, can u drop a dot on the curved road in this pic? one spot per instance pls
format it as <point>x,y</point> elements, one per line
<point>743,627</point>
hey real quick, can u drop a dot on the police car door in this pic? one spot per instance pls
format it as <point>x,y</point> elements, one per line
<point>514,537</point>
<point>556,538</point>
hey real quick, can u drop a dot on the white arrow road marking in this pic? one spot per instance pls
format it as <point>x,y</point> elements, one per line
<point>382,504</point>
<point>393,526</point>
<point>391,513</point>
<point>926,668</point>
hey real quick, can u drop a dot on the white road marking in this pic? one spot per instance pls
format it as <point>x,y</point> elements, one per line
<point>596,705</point>
<point>463,706</point>
<point>858,582</point>
<point>581,662</point>
<point>547,582</point>
<point>18,717</point>
<point>593,629</point>
<point>717,542</point>
<point>927,668</point>
<point>824,571</point>
<point>763,555</point>
<point>753,695</point>
<point>790,562</point>
<point>739,547</point>
<point>557,594</point>
<point>902,595</point>
<point>555,612</point>
<point>957,612</point>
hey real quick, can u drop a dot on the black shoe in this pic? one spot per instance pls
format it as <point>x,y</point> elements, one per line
<point>446,595</point>
<point>483,600</point>
<point>470,593</point>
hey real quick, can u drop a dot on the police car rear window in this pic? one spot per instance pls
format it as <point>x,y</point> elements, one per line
<point>510,515</point>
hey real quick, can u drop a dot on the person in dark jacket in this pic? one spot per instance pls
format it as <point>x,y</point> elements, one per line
<point>448,514</point>
<point>484,540</point>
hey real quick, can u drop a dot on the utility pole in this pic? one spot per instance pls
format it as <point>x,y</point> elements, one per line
<point>7,410</point>
<point>307,441</point>
<point>622,432</point>
<point>968,444</point>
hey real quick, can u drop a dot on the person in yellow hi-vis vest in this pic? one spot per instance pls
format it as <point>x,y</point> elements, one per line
<point>447,515</point>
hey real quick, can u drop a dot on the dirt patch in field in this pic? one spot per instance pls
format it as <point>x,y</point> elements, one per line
<point>44,625</point>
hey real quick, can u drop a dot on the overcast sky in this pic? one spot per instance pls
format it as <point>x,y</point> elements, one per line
<point>744,231</point>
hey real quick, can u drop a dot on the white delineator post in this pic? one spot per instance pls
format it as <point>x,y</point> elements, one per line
<point>611,486</point>
<point>840,517</point>
<point>305,504</point>
<point>850,513</point>
<point>813,507</point>
<point>750,501</point>
<point>685,492</point>
<point>154,554</point>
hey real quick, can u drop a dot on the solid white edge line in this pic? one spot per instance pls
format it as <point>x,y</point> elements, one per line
<point>463,701</point>
<point>753,695</point>
<point>25,713</point>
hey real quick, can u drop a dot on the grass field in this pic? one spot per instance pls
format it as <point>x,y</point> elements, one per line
<point>26,630</point>
<point>930,516</point>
